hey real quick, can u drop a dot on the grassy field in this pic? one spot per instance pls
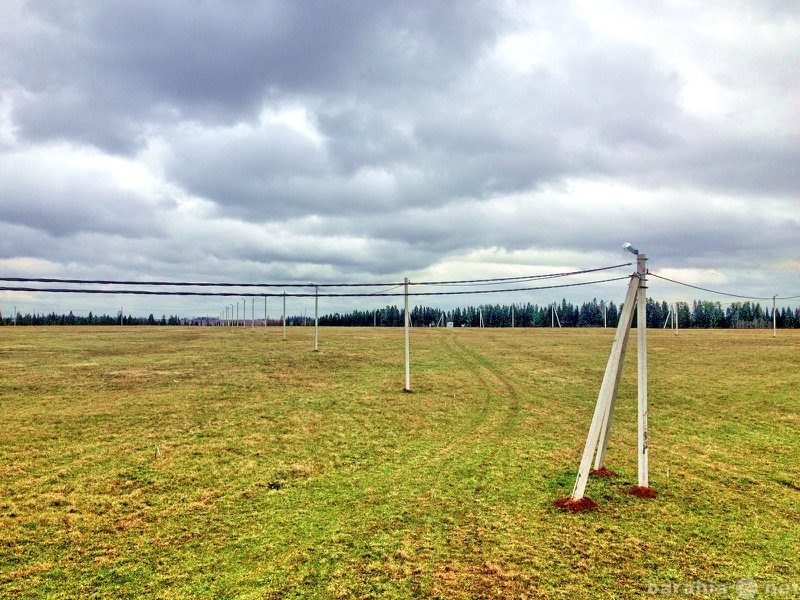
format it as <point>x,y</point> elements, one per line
<point>227,463</point>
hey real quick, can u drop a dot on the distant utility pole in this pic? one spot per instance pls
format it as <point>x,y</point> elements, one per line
<point>316,317</point>
<point>554,317</point>
<point>408,353</point>
<point>284,316</point>
<point>774,322</point>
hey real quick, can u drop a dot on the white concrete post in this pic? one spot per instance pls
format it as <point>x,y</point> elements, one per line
<point>407,325</point>
<point>619,348</point>
<point>316,318</point>
<point>676,318</point>
<point>774,321</point>
<point>603,411</point>
<point>641,327</point>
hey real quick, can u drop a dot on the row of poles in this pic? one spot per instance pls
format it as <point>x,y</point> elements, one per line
<point>226,318</point>
<point>600,428</point>
<point>672,318</point>
<point>229,312</point>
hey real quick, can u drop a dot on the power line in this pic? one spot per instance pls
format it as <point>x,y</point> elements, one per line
<point>298,295</point>
<point>522,278</point>
<point>295,285</point>
<point>742,296</point>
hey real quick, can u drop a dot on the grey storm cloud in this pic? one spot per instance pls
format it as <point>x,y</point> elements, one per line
<point>318,138</point>
<point>106,67</point>
<point>45,192</point>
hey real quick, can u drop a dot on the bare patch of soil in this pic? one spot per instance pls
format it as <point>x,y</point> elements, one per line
<point>583,505</point>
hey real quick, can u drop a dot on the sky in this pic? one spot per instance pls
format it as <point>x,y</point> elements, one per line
<point>291,141</point>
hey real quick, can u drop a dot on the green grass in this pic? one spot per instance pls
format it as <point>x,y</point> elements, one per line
<point>226,463</point>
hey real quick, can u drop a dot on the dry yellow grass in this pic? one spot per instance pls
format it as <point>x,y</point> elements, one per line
<point>216,462</point>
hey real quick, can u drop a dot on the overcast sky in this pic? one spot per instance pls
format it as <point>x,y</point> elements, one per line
<point>340,141</point>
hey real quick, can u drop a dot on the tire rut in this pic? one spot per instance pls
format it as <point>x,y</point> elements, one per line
<point>485,372</point>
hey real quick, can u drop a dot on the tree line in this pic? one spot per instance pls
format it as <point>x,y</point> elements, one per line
<point>699,314</point>
<point>91,319</point>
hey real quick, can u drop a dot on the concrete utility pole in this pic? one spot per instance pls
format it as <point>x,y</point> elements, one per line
<point>408,352</point>
<point>597,439</point>
<point>774,322</point>
<point>641,333</point>
<point>316,317</point>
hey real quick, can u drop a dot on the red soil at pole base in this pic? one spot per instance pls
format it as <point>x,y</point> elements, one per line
<point>583,505</point>
<point>602,473</point>
<point>643,492</point>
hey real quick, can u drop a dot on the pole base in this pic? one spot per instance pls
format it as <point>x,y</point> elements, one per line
<point>642,492</point>
<point>569,504</point>
<point>602,473</point>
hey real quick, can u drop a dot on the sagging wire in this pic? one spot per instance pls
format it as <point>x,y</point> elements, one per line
<point>301,285</point>
<point>742,296</point>
<point>300,295</point>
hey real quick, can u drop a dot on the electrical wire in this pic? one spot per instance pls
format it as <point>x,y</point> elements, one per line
<point>522,278</point>
<point>302,285</point>
<point>297,295</point>
<point>742,296</point>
